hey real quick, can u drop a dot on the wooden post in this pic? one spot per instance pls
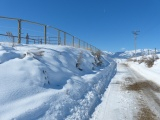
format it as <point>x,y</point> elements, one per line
<point>59,40</point>
<point>73,41</point>
<point>41,41</point>
<point>91,49</point>
<point>64,38</point>
<point>27,38</point>
<point>45,34</point>
<point>19,31</point>
<point>79,42</point>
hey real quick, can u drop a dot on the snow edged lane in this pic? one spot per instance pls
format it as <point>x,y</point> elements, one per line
<point>42,82</point>
<point>152,73</point>
<point>129,97</point>
<point>116,104</point>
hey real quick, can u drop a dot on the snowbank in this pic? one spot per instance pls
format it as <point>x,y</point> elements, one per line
<point>152,73</point>
<point>43,82</point>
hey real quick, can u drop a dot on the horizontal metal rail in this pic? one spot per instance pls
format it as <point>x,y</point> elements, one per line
<point>62,37</point>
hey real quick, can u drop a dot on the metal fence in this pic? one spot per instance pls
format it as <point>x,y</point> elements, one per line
<point>28,32</point>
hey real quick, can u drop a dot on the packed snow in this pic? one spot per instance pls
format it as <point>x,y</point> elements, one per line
<point>51,82</point>
<point>129,95</point>
<point>152,73</point>
<point>117,103</point>
<point>58,82</point>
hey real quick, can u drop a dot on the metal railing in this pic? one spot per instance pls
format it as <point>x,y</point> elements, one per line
<point>45,34</point>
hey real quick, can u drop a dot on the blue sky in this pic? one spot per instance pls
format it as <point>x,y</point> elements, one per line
<point>106,24</point>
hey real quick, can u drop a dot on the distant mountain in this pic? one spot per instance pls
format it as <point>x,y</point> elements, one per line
<point>131,53</point>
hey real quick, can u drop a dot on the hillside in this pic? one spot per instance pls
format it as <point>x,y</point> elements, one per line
<point>130,53</point>
<point>45,81</point>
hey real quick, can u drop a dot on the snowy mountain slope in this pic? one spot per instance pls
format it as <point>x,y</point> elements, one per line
<point>43,82</point>
<point>128,54</point>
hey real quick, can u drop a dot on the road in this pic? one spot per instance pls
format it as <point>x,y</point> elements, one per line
<point>129,97</point>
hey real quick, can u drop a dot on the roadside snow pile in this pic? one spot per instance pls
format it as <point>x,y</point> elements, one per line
<point>51,82</point>
<point>148,66</point>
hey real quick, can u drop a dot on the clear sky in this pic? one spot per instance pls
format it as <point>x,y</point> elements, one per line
<point>106,24</point>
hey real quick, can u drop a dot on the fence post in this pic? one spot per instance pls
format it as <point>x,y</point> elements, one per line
<point>79,42</point>
<point>59,41</point>
<point>95,49</point>
<point>19,31</point>
<point>91,48</point>
<point>45,34</point>
<point>73,41</point>
<point>27,38</point>
<point>64,38</point>
<point>41,40</point>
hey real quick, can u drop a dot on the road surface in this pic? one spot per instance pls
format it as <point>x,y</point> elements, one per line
<point>129,97</point>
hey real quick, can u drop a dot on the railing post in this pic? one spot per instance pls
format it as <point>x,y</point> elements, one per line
<point>79,42</point>
<point>95,49</point>
<point>73,41</point>
<point>87,46</point>
<point>59,41</point>
<point>27,38</point>
<point>91,47</point>
<point>19,31</point>
<point>45,34</point>
<point>64,38</point>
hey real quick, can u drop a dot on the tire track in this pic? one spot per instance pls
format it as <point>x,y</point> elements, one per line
<point>149,102</point>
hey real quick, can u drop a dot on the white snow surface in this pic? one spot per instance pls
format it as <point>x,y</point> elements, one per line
<point>42,82</point>
<point>131,53</point>
<point>152,73</point>
<point>117,104</point>
<point>120,104</point>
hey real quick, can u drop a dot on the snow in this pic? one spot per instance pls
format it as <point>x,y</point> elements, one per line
<point>117,104</point>
<point>58,82</point>
<point>43,82</point>
<point>153,73</point>
<point>131,53</point>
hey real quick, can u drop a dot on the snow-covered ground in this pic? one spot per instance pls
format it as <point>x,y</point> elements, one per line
<point>151,73</point>
<point>131,96</point>
<point>58,82</point>
<point>131,53</point>
<point>43,82</point>
<point>117,103</point>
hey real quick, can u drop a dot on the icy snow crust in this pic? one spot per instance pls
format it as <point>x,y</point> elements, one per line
<point>42,82</point>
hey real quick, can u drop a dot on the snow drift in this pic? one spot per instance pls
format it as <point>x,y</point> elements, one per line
<point>44,82</point>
